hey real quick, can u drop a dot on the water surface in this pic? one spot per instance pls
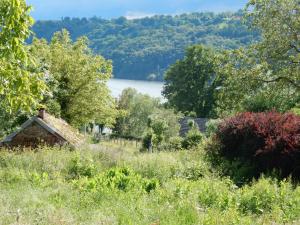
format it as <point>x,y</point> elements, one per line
<point>151,88</point>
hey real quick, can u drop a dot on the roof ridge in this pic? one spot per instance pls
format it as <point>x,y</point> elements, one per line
<point>55,126</point>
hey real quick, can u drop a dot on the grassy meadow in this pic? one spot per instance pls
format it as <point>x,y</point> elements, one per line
<point>109,183</point>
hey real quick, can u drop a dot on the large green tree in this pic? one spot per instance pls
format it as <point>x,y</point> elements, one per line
<point>137,108</point>
<point>77,80</point>
<point>21,83</point>
<point>164,124</point>
<point>191,83</point>
<point>267,74</point>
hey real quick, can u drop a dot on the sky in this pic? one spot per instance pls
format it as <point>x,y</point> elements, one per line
<point>56,9</point>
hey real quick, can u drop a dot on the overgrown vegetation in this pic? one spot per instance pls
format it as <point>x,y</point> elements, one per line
<point>118,185</point>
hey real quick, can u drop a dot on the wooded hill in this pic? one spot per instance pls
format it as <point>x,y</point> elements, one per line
<point>145,48</point>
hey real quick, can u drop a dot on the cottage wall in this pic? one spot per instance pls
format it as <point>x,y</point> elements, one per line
<point>35,135</point>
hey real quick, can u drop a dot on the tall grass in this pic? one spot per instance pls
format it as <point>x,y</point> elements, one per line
<point>107,184</point>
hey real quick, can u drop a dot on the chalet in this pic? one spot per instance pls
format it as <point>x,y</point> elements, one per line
<point>44,129</point>
<point>184,125</point>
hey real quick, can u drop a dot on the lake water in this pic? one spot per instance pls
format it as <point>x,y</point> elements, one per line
<point>151,88</point>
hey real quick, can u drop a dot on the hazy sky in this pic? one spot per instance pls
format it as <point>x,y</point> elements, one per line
<point>55,9</point>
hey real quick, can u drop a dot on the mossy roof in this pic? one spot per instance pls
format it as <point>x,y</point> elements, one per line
<point>54,125</point>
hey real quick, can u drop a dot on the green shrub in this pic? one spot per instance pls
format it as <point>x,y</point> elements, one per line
<point>258,198</point>
<point>174,144</point>
<point>147,142</point>
<point>12,176</point>
<point>212,127</point>
<point>192,139</point>
<point>37,179</point>
<point>80,168</point>
<point>267,195</point>
<point>122,179</point>
<point>195,171</point>
<point>217,193</point>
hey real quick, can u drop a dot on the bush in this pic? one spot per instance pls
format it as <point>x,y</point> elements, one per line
<point>268,195</point>
<point>121,179</point>
<point>147,142</point>
<point>174,144</point>
<point>267,141</point>
<point>216,193</point>
<point>212,127</point>
<point>80,168</point>
<point>192,139</point>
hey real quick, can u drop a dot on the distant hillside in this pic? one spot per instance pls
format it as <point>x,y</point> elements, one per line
<point>144,48</point>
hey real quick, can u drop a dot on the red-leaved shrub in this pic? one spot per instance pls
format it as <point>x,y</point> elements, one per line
<point>267,140</point>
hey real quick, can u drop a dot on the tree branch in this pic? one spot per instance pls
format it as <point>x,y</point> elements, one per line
<point>292,82</point>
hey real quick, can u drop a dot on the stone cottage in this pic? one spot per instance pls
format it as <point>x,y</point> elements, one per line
<point>44,129</point>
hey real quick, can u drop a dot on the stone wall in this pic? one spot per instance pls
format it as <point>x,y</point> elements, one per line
<point>35,135</point>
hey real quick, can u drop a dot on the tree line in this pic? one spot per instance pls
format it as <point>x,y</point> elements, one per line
<point>144,48</point>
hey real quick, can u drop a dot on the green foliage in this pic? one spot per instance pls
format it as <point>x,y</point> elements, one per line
<point>76,79</point>
<point>191,83</point>
<point>162,127</point>
<point>173,144</point>
<point>78,169</point>
<point>217,194</point>
<point>164,123</point>
<point>21,84</point>
<point>37,187</point>
<point>122,179</point>
<point>158,128</point>
<point>212,127</point>
<point>147,142</point>
<point>40,180</point>
<point>280,46</point>
<point>137,108</point>
<point>144,48</point>
<point>269,100</point>
<point>259,198</point>
<point>142,114</point>
<point>266,75</point>
<point>9,121</point>
<point>193,138</point>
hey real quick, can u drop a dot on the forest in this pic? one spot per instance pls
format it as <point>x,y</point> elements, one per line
<point>143,49</point>
<point>241,167</point>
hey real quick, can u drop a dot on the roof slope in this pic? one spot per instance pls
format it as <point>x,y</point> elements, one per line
<point>55,126</point>
<point>62,128</point>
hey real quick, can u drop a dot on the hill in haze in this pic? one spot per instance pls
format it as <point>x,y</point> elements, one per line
<point>144,48</point>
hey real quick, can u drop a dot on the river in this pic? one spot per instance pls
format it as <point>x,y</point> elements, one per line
<point>151,88</point>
